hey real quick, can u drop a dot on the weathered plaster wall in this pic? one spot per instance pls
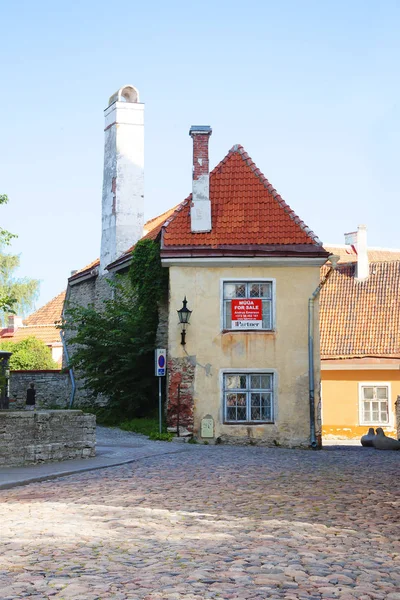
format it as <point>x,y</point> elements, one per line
<point>53,388</point>
<point>31,437</point>
<point>340,401</point>
<point>284,351</point>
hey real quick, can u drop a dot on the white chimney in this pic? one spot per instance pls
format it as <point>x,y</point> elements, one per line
<point>14,322</point>
<point>358,239</point>
<point>200,211</point>
<point>123,177</point>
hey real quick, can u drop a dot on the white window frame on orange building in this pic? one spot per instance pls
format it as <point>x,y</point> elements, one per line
<point>361,399</point>
<point>246,281</point>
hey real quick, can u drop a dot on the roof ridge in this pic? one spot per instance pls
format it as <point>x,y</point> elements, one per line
<point>157,217</point>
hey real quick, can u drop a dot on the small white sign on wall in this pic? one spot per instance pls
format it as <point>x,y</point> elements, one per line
<point>207,427</point>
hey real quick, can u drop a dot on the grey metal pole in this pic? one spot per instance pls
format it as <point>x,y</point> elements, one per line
<point>311,380</point>
<point>159,406</point>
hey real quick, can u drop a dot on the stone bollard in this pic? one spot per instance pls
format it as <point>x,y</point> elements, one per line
<point>382,442</point>
<point>368,438</point>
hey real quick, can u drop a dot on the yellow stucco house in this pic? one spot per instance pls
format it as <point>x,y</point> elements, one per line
<point>247,368</point>
<point>360,341</point>
<point>247,266</point>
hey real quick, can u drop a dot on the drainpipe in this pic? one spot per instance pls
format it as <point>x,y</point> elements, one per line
<point>311,380</point>
<point>70,370</point>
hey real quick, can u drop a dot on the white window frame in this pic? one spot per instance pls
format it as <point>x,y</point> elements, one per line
<point>363,384</point>
<point>241,371</point>
<point>248,280</point>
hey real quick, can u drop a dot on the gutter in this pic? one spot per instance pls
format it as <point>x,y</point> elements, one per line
<point>65,349</point>
<point>311,379</point>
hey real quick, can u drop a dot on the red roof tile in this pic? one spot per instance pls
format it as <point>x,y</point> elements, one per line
<point>49,334</point>
<point>361,318</point>
<point>48,314</point>
<point>245,209</point>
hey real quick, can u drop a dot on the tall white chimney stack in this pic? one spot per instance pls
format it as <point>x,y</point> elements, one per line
<point>200,211</point>
<point>123,177</point>
<point>358,239</point>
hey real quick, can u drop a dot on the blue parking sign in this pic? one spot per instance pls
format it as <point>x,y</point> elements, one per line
<point>161,362</point>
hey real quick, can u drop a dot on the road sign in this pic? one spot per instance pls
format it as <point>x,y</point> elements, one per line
<point>161,362</point>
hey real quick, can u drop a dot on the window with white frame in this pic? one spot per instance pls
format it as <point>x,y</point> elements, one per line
<point>248,305</point>
<point>374,404</point>
<point>248,397</point>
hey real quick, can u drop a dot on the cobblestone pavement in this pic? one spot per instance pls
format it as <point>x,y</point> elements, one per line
<point>210,522</point>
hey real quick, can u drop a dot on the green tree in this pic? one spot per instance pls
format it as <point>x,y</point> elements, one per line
<point>16,294</point>
<point>29,354</point>
<point>114,347</point>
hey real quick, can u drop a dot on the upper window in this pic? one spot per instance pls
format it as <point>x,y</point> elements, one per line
<point>248,305</point>
<point>248,397</point>
<point>374,408</point>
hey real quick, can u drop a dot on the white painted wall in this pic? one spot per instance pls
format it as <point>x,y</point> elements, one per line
<point>200,211</point>
<point>362,253</point>
<point>123,177</point>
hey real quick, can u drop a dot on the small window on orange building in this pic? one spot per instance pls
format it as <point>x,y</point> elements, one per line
<point>374,405</point>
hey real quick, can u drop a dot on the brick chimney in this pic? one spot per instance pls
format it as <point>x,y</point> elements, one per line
<point>123,177</point>
<point>200,212</point>
<point>358,240</point>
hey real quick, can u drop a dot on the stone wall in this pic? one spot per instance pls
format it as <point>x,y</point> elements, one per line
<point>397,416</point>
<point>94,291</point>
<point>180,392</point>
<point>90,291</point>
<point>32,436</point>
<point>53,388</point>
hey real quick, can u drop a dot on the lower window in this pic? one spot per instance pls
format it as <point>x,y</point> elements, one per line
<point>248,397</point>
<point>374,404</point>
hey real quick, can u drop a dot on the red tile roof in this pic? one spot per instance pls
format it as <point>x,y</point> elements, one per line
<point>49,313</point>
<point>245,208</point>
<point>40,324</point>
<point>49,334</point>
<point>246,211</point>
<point>361,318</point>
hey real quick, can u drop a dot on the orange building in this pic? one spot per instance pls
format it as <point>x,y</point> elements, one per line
<point>360,341</point>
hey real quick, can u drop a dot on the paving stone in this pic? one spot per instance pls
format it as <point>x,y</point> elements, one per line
<point>210,522</point>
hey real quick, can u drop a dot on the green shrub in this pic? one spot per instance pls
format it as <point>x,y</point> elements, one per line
<point>29,354</point>
<point>161,437</point>
<point>145,426</point>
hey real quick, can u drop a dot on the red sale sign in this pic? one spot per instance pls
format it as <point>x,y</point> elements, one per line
<point>246,313</point>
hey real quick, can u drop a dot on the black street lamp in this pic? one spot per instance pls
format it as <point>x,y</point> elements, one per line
<point>184,318</point>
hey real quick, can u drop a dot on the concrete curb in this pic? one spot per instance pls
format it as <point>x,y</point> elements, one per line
<point>11,483</point>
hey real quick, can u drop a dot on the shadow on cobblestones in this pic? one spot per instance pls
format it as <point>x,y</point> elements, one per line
<point>213,522</point>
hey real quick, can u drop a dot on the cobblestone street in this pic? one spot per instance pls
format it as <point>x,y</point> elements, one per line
<point>209,522</point>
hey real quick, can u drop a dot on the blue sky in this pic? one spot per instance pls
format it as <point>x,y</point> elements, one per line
<point>309,88</point>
